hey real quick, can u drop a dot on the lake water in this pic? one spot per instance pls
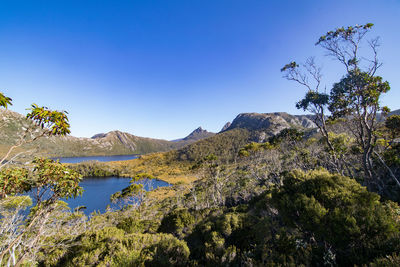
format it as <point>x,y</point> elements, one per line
<point>98,158</point>
<point>97,192</point>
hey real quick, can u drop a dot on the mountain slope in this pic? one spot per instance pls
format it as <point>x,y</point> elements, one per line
<point>274,122</point>
<point>13,126</point>
<point>198,134</point>
<point>245,128</point>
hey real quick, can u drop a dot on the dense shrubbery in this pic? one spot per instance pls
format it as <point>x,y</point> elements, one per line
<point>315,218</point>
<point>178,222</point>
<point>224,145</point>
<point>112,246</point>
<point>95,169</point>
<point>339,214</point>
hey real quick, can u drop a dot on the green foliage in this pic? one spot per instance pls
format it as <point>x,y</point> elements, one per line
<point>15,202</point>
<point>135,225</point>
<point>356,98</point>
<point>339,213</point>
<point>344,33</point>
<point>225,146</point>
<point>387,261</point>
<point>393,124</point>
<point>53,177</point>
<point>4,101</point>
<point>56,122</point>
<point>210,158</point>
<point>291,65</point>
<point>141,176</point>
<point>14,181</point>
<point>49,181</point>
<point>132,190</point>
<point>168,252</point>
<point>289,134</point>
<point>56,179</point>
<point>127,192</point>
<point>341,143</point>
<point>113,247</point>
<point>312,99</point>
<point>178,222</point>
<point>355,92</point>
<point>254,147</point>
<point>95,169</point>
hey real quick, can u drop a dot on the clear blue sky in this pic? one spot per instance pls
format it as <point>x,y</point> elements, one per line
<point>162,68</point>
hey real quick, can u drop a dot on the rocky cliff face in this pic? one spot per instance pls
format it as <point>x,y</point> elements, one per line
<point>273,121</point>
<point>226,126</point>
<point>268,124</point>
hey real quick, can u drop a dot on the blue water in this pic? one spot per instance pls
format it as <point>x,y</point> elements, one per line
<point>97,192</point>
<point>98,158</point>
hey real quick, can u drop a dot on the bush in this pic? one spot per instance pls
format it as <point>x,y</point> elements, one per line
<point>177,222</point>
<point>168,252</point>
<point>340,213</point>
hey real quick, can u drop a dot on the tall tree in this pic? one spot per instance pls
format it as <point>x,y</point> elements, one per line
<point>48,182</point>
<point>355,98</point>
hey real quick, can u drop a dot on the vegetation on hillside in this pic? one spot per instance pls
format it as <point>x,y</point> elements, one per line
<point>14,126</point>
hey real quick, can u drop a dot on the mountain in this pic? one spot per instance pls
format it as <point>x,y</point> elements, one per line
<point>226,126</point>
<point>274,122</point>
<point>268,124</point>
<point>381,118</point>
<point>245,128</point>
<point>198,134</point>
<point>395,112</point>
<point>194,136</point>
<point>13,126</point>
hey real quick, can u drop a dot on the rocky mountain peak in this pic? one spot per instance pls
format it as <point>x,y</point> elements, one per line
<point>226,126</point>
<point>197,134</point>
<point>270,123</point>
<point>199,130</point>
<point>99,135</point>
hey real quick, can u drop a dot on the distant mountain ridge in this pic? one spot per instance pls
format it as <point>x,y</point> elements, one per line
<point>198,134</point>
<point>13,126</point>
<point>244,128</point>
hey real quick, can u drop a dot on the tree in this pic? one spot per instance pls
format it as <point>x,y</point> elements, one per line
<point>354,99</point>
<point>134,194</point>
<point>51,123</point>
<point>314,101</point>
<point>392,123</point>
<point>46,180</point>
<point>4,101</point>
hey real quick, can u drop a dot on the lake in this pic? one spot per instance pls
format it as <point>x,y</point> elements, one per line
<point>98,158</point>
<point>97,192</point>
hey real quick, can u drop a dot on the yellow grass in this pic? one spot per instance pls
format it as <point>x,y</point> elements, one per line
<point>160,165</point>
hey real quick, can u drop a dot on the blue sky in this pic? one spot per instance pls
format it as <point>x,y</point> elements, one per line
<point>162,68</point>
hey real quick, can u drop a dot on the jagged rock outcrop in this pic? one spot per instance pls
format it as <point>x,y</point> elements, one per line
<point>273,121</point>
<point>198,134</point>
<point>267,124</point>
<point>226,126</point>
